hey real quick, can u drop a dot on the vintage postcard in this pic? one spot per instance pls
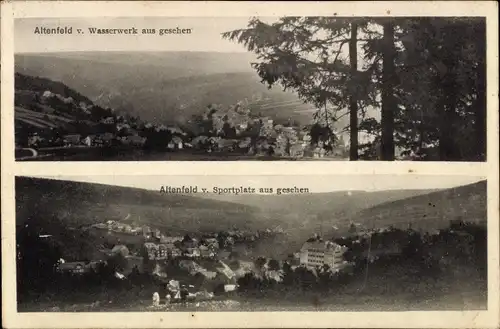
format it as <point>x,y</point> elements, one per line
<point>250,164</point>
<point>280,87</point>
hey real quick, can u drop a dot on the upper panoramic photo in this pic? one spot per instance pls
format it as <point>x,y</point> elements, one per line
<point>250,88</point>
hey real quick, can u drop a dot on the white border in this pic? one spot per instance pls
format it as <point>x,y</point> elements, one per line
<point>469,319</point>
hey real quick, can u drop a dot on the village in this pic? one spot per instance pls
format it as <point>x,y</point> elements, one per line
<point>217,130</point>
<point>196,268</point>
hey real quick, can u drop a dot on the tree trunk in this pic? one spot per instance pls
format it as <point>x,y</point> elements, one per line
<point>353,103</point>
<point>388,100</point>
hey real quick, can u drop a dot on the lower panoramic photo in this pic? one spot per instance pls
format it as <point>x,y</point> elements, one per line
<point>251,243</point>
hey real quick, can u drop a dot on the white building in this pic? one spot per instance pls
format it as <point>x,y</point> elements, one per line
<point>319,253</point>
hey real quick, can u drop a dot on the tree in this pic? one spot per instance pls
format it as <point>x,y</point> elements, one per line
<point>353,103</point>
<point>304,54</point>
<point>228,130</point>
<point>388,101</point>
<point>325,276</point>
<point>442,88</point>
<point>117,262</point>
<point>274,265</point>
<point>36,260</point>
<point>426,75</point>
<point>260,262</point>
<point>305,277</point>
<point>249,282</point>
<point>221,239</point>
<point>288,274</point>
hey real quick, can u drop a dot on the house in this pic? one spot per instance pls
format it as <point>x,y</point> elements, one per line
<point>72,139</point>
<point>89,140</point>
<point>189,243</point>
<point>297,150</point>
<point>244,144</point>
<point>228,145</point>
<point>275,275</point>
<point>83,105</point>
<point>66,100</point>
<point>120,249</point>
<point>47,94</point>
<point>318,253</point>
<point>134,140</point>
<point>101,226</point>
<point>116,226</point>
<point>189,266</point>
<point>146,232</point>
<point>151,250</point>
<point>108,120</point>
<point>161,251</point>
<point>176,130</point>
<point>226,271</point>
<point>223,254</point>
<point>212,241</point>
<point>34,140</point>
<point>206,252</point>
<point>319,152</point>
<point>122,126</point>
<point>178,143</point>
<point>76,268</point>
<point>127,228</point>
<point>207,274</point>
<point>243,126</point>
<point>106,138</point>
<point>199,141</point>
<point>193,252</point>
<point>175,252</point>
<point>170,239</point>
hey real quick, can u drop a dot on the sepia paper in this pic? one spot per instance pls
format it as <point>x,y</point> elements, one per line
<point>152,126</point>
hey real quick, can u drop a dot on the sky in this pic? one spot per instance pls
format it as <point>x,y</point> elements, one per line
<point>315,183</point>
<point>205,36</point>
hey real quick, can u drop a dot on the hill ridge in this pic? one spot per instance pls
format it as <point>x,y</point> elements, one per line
<point>466,202</point>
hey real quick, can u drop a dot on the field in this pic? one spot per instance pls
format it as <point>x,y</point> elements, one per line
<point>40,120</point>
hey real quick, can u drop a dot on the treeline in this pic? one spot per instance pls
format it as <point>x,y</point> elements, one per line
<point>40,85</point>
<point>38,278</point>
<point>419,257</point>
<point>426,78</point>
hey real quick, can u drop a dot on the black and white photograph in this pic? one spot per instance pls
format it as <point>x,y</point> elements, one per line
<point>249,164</point>
<point>386,243</point>
<point>250,88</point>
